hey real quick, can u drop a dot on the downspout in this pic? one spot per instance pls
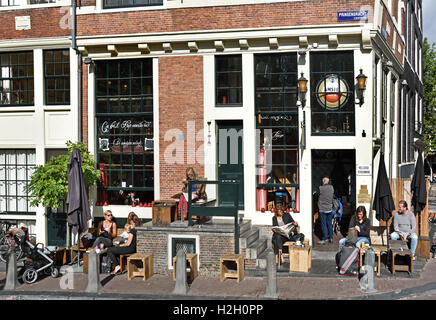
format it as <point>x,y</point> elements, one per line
<point>79,69</point>
<point>79,101</point>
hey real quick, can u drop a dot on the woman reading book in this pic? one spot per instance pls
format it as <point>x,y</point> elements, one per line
<point>281,218</point>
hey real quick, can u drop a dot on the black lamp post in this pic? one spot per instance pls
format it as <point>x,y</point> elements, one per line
<point>361,87</point>
<point>302,89</point>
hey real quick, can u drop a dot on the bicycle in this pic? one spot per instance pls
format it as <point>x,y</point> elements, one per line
<point>5,243</point>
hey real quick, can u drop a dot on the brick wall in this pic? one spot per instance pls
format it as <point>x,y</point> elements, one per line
<point>45,23</point>
<point>212,247</point>
<point>318,12</point>
<point>180,101</point>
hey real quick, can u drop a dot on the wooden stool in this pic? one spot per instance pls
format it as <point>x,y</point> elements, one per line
<point>300,258</point>
<point>123,261</point>
<point>378,250</point>
<point>147,265</point>
<point>401,267</point>
<point>191,263</point>
<point>235,258</point>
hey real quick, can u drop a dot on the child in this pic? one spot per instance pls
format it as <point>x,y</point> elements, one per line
<point>125,235</point>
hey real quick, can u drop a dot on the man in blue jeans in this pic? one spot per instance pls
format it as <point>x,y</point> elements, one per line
<point>405,226</point>
<point>325,204</point>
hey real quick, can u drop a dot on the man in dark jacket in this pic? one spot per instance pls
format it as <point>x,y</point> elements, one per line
<point>325,204</point>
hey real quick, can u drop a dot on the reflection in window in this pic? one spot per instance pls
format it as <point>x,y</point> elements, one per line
<point>228,79</point>
<point>57,76</point>
<point>332,86</point>
<point>16,168</point>
<point>9,3</point>
<point>277,124</point>
<point>107,4</point>
<point>16,78</point>
<point>125,131</point>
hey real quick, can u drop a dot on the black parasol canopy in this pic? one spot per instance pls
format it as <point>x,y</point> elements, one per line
<point>77,198</point>
<point>383,200</point>
<point>418,188</point>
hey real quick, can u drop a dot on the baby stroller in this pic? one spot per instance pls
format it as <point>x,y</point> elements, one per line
<point>34,260</point>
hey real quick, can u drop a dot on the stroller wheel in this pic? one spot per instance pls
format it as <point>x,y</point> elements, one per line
<point>30,276</point>
<point>54,272</point>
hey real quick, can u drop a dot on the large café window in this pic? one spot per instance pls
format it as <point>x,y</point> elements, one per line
<point>124,114</point>
<point>332,87</point>
<point>277,123</point>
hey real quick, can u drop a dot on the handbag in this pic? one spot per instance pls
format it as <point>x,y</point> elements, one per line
<point>335,204</point>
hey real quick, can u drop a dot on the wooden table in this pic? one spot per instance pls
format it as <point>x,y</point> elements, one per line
<point>147,266</point>
<point>191,263</point>
<point>300,258</point>
<point>378,250</point>
<point>237,259</point>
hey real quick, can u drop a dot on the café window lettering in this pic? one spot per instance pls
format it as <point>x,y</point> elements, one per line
<point>276,82</point>
<point>332,98</point>
<point>125,131</point>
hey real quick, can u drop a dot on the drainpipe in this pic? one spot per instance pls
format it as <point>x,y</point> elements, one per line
<point>79,100</point>
<point>79,68</point>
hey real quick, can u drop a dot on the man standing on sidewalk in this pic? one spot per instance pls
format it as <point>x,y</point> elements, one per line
<point>325,204</point>
<point>405,226</point>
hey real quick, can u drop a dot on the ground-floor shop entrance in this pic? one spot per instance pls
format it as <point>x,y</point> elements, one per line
<point>340,167</point>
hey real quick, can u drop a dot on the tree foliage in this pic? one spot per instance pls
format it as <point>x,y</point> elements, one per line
<point>429,78</point>
<point>49,183</point>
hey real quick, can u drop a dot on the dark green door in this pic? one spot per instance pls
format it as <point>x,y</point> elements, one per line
<point>230,160</point>
<point>56,227</point>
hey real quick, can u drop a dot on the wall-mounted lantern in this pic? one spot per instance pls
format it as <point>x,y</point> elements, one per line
<point>361,87</point>
<point>302,90</point>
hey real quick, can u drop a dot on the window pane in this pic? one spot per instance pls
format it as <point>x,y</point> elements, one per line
<point>57,76</point>
<point>332,96</point>
<point>228,79</point>
<point>122,156</point>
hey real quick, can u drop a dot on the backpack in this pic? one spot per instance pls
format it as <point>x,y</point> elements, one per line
<point>347,261</point>
<point>335,204</point>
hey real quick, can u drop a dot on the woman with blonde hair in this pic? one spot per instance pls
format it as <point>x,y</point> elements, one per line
<point>107,230</point>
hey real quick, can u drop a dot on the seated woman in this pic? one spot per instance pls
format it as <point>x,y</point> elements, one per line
<point>107,230</point>
<point>361,224</point>
<point>281,218</point>
<point>197,192</point>
<point>127,247</point>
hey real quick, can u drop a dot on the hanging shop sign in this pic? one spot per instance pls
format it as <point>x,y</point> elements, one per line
<point>353,15</point>
<point>332,92</point>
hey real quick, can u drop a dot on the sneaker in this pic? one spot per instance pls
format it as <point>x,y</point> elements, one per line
<point>414,258</point>
<point>322,242</point>
<point>330,240</point>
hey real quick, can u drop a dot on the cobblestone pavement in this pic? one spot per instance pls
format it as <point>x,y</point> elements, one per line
<point>290,288</point>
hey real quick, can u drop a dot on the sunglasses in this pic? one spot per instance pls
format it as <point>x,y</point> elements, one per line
<point>108,215</point>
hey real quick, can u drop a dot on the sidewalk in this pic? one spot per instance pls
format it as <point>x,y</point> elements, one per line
<point>204,288</point>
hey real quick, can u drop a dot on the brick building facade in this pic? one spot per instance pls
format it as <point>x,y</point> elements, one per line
<point>163,79</point>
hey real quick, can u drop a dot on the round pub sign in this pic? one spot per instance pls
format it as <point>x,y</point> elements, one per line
<point>332,92</point>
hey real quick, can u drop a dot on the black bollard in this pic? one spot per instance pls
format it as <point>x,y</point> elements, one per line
<point>181,277</point>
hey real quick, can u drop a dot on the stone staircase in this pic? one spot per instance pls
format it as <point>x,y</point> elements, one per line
<point>252,245</point>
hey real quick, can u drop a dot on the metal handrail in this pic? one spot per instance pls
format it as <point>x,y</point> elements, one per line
<point>230,211</point>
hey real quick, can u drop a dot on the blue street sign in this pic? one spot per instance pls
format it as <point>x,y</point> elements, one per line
<point>353,15</point>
